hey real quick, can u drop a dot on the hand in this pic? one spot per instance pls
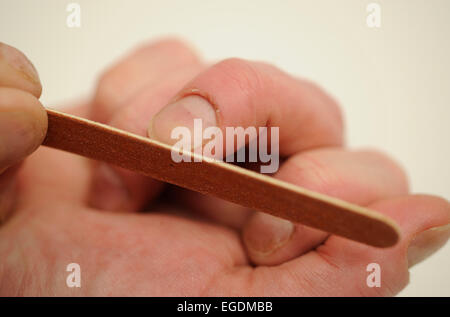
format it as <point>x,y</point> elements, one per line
<point>58,208</point>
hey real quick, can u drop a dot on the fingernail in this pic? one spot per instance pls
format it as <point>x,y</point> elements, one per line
<point>426,243</point>
<point>181,113</point>
<point>17,60</point>
<point>108,191</point>
<point>264,234</point>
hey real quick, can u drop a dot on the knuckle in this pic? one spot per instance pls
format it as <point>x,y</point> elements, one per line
<point>396,171</point>
<point>174,50</point>
<point>309,172</point>
<point>170,44</point>
<point>346,259</point>
<point>105,86</point>
<point>437,201</point>
<point>125,119</point>
<point>107,94</point>
<point>335,123</point>
<point>242,74</point>
<point>339,122</point>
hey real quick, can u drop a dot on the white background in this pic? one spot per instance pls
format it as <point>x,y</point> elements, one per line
<point>393,82</point>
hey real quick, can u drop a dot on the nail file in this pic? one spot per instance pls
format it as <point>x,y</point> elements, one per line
<point>213,177</point>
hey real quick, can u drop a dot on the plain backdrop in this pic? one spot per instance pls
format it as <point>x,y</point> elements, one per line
<point>393,82</point>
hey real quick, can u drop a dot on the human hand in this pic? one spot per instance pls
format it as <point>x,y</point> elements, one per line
<point>58,208</point>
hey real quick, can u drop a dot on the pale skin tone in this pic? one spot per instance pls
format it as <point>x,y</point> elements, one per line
<point>58,208</point>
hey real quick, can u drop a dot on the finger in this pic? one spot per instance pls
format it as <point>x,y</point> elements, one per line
<point>340,267</point>
<point>144,67</point>
<point>117,189</point>
<point>238,93</point>
<point>340,262</point>
<point>23,120</point>
<point>23,125</point>
<point>123,93</point>
<point>16,71</point>
<point>359,177</point>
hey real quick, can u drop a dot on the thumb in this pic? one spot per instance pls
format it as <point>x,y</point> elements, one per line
<point>23,120</point>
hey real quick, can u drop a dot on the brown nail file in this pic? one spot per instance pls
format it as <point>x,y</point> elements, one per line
<point>247,188</point>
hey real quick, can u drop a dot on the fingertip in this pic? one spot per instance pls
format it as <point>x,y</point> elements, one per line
<point>272,241</point>
<point>16,71</point>
<point>264,235</point>
<point>23,125</point>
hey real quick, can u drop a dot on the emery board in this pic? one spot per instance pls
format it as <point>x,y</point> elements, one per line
<point>217,178</point>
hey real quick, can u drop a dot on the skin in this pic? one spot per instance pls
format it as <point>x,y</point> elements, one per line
<point>133,235</point>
